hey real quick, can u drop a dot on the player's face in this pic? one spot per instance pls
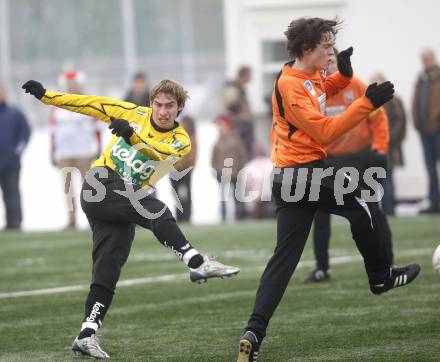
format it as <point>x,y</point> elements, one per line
<point>428,59</point>
<point>165,110</point>
<point>332,65</point>
<point>322,54</point>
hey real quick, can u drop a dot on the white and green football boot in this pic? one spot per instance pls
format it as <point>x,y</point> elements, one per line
<point>211,268</point>
<point>89,346</point>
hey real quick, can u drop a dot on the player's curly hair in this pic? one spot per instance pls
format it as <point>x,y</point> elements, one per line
<point>171,87</point>
<point>306,33</point>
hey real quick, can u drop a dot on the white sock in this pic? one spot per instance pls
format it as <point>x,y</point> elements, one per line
<point>188,255</point>
<point>91,325</point>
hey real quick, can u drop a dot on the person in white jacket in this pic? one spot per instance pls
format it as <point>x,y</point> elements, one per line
<point>75,141</point>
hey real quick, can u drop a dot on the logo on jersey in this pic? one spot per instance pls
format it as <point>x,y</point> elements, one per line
<point>177,145</point>
<point>348,97</point>
<point>334,110</point>
<point>141,113</point>
<point>131,164</point>
<point>309,86</point>
<point>135,126</point>
<point>321,99</point>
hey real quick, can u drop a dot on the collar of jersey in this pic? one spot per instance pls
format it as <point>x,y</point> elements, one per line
<point>163,130</point>
<point>287,70</point>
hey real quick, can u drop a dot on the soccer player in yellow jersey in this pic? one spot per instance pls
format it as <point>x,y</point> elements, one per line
<point>115,198</point>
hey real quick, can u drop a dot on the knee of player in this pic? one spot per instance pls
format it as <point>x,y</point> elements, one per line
<point>112,259</point>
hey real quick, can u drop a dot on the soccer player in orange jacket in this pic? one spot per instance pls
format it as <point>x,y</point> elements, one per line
<point>300,131</point>
<point>364,146</point>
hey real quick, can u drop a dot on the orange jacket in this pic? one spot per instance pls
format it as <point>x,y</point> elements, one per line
<point>373,130</point>
<point>303,99</point>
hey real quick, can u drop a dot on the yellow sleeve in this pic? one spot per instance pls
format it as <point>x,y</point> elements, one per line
<point>96,106</point>
<point>175,150</point>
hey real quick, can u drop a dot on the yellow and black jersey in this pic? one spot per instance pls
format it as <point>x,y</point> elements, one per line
<point>153,150</point>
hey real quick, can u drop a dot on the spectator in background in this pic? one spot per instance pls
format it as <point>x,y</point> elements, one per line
<point>364,146</point>
<point>75,141</point>
<point>397,128</point>
<point>426,114</point>
<point>14,136</point>
<point>139,92</point>
<point>257,173</point>
<point>183,185</point>
<point>236,106</point>
<point>229,153</point>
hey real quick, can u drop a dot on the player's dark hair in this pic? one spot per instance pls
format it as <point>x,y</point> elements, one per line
<point>306,33</point>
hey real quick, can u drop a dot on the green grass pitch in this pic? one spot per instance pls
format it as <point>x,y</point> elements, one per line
<point>171,319</point>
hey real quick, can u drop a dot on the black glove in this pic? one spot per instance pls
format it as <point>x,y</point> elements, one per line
<point>344,62</point>
<point>121,128</point>
<point>380,94</point>
<point>35,88</point>
<point>378,159</point>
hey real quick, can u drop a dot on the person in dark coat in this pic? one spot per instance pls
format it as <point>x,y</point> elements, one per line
<point>14,136</point>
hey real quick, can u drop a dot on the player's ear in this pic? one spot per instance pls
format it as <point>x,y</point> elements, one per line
<point>305,50</point>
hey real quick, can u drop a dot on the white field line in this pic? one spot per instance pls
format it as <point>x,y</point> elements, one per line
<point>171,277</point>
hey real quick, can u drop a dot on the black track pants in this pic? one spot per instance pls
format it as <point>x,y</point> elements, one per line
<point>294,220</point>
